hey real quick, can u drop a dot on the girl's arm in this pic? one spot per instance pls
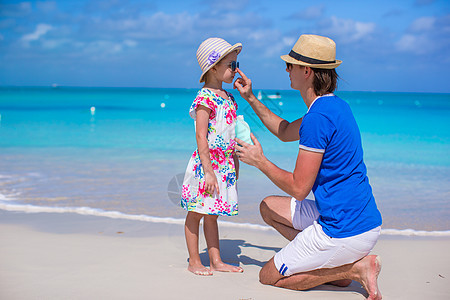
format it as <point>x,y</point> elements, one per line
<point>236,165</point>
<point>202,120</point>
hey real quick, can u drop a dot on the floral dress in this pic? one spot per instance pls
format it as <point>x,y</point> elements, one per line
<point>221,134</point>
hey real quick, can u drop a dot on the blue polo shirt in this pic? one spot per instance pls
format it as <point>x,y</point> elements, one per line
<point>343,194</point>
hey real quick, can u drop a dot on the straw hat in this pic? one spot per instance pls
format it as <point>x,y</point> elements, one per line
<point>211,51</point>
<point>313,51</point>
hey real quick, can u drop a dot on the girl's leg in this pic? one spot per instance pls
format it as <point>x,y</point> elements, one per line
<point>212,240</point>
<point>191,229</point>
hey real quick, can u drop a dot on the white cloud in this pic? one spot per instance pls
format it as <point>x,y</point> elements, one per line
<point>46,6</point>
<point>100,49</point>
<point>239,23</point>
<point>56,43</point>
<point>267,43</point>
<point>348,31</point>
<point>417,44</point>
<point>130,43</point>
<point>289,41</point>
<point>423,2</point>
<point>310,13</point>
<point>423,24</point>
<point>258,36</point>
<point>426,35</point>
<point>229,5</point>
<point>41,29</point>
<point>15,10</point>
<point>276,48</point>
<point>157,26</point>
<point>407,43</point>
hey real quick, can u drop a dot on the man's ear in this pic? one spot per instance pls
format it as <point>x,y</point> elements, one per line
<point>308,71</point>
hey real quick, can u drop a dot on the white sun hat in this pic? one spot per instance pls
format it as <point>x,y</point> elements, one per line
<point>211,51</point>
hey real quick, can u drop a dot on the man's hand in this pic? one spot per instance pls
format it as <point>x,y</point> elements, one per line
<point>244,85</point>
<point>250,154</point>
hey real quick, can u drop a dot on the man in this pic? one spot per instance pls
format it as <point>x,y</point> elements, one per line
<point>332,236</point>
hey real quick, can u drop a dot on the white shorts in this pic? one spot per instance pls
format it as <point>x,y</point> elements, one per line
<point>312,249</point>
<point>303,213</point>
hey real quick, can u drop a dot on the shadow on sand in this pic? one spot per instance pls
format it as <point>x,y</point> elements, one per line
<point>231,253</point>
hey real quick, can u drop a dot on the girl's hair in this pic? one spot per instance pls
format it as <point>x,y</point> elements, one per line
<point>325,81</point>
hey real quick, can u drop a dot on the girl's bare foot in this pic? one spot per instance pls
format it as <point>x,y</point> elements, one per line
<point>200,269</point>
<point>223,267</point>
<point>370,269</point>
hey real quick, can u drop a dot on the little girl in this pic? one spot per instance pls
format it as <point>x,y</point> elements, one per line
<point>209,186</point>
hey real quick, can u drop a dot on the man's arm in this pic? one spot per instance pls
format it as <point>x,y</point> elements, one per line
<point>299,183</point>
<point>282,129</point>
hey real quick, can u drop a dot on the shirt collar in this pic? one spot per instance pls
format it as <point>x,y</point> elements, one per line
<point>326,95</point>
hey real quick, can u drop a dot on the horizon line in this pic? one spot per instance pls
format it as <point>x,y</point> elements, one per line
<point>57,86</point>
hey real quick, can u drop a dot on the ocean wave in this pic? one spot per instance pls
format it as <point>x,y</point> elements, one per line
<point>28,208</point>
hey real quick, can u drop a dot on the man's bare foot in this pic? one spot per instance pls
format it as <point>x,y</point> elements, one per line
<point>223,267</point>
<point>200,270</point>
<point>370,269</point>
<point>341,283</point>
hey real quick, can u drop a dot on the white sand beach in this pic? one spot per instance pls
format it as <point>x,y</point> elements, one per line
<point>69,256</point>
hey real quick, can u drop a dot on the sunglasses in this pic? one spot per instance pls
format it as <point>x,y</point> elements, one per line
<point>233,65</point>
<point>288,66</point>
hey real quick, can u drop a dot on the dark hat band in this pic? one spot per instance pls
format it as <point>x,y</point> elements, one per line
<point>309,60</point>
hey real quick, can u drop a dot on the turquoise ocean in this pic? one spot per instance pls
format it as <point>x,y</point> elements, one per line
<point>121,152</point>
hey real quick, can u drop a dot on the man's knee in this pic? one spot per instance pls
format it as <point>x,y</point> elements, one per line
<point>265,210</point>
<point>265,279</point>
<point>266,204</point>
<point>263,207</point>
<point>269,275</point>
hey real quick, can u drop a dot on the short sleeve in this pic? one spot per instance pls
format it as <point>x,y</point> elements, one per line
<point>205,99</point>
<point>315,132</point>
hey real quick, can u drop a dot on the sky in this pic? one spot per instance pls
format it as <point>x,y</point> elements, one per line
<point>385,45</point>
